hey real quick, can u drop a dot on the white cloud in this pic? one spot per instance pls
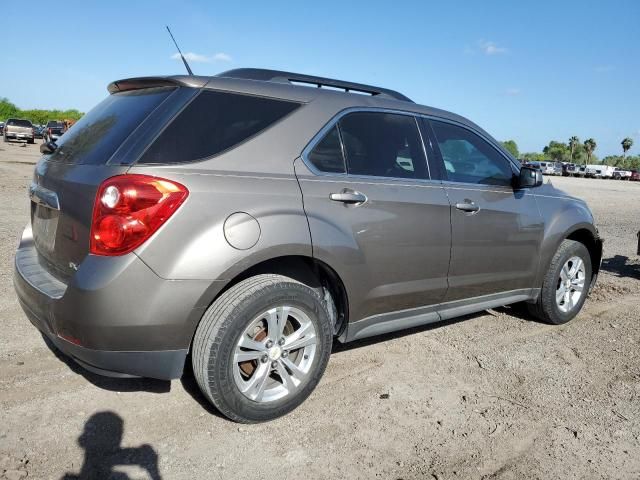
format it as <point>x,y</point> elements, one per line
<point>222,57</point>
<point>199,58</point>
<point>491,48</point>
<point>513,91</point>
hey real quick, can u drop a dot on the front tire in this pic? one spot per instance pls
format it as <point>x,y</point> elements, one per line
<point>262,347</point>
<point>566,284</point>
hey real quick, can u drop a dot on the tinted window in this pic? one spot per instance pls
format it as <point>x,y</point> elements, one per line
<point>470,159</point>
<point>383,145</point>
<point>97,135</point>
<point>212,123</point>
<point>19,123</point>
<point>326,156</point>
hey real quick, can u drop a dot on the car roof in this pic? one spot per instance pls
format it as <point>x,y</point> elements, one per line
<point>295,87</point>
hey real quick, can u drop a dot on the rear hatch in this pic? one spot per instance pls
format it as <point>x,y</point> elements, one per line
<point>22,127</point>
<point>65,182</point>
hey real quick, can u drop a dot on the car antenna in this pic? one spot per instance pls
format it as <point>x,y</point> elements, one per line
<point>184,60</point>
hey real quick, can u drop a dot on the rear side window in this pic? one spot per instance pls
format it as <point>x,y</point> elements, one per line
<point>326,156</point>
<point>469,158</point>
<point>383,145</point>
<point>97,135</point>
<point>213,123</point>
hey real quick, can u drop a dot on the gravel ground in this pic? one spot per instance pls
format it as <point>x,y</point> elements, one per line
<point>494,395</point>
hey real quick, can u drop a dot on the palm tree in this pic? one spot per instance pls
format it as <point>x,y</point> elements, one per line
<point>573,143</point>
<point>627,143</point>
<point>589,146</point>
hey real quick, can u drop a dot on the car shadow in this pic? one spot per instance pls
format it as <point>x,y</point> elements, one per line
<point>619,266</point>
<point>518,311</point>
<point>190,385</point>
<point>100,440</point>
<point>110,383</point>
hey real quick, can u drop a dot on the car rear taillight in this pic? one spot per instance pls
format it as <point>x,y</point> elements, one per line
<point>129,208</point>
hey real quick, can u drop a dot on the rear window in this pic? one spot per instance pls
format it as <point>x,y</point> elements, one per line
<point>213,123</point>
<point>55,124</point>
<point>19,123</point>
<point>97,135</point>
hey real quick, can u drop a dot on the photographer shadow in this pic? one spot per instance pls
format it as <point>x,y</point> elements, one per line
<point>103,455</point>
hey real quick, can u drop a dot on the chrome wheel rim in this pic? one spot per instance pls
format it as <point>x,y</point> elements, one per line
<point>571,284</point>
<point>274,354</point>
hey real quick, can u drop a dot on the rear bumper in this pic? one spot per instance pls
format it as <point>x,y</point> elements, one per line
<point>115,316</point>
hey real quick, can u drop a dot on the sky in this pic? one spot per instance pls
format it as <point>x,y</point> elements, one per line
<point>528,71</point>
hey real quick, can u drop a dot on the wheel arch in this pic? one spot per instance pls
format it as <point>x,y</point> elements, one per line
<point>308,270</point>
<point>590,239</point>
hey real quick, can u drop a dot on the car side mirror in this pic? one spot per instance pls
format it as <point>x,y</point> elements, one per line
<point>529,178</point>
<point>48,148</point>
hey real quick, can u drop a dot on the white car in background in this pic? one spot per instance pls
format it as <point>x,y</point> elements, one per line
<point>599,171</point>
<point>548,168</point>
<point>621,174</point>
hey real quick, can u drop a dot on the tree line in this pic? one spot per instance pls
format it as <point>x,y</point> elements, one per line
<point>36,116</point>
<point>576,151</point>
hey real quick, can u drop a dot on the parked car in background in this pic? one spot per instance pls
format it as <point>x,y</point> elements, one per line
<point>39,131</point>
<point>580,171</point>
<point>1,128</point>
<point>621,174</point>
<point>599,171</point>
<point>53,131</point>
<point>635,176</point>
<point>18,129</point>
<point>548,168</point>
<point>250,221</point>
<point>569,169</point>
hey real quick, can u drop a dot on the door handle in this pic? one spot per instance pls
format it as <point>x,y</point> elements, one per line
<point>468,206</point>
<point>349,197</point>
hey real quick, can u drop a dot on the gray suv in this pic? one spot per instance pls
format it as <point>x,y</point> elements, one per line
<point>244,222</point>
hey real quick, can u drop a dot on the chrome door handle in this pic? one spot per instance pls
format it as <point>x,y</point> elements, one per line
<point>468,207</point>
<point>348,197</point>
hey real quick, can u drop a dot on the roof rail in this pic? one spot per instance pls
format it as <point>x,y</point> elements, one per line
<point>311,80</point>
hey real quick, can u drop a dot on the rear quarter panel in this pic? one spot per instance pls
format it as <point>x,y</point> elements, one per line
<point>192,244</point>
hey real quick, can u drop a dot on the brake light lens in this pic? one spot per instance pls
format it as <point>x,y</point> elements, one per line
<point>129,209</point>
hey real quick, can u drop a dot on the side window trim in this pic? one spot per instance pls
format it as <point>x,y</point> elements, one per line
<point>436,146</point>
<point>335,121</point>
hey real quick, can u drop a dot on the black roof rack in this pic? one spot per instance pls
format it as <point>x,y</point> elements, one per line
<point>311,80</point>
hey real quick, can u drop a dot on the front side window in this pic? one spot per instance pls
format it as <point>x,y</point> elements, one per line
<point>469,158</point>
<point>382,145</point>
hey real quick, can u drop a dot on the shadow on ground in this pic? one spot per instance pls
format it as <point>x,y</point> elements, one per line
<point>621,266</point>
<point>518,311</point>
<point>109,383</point>
<point>103,454</point>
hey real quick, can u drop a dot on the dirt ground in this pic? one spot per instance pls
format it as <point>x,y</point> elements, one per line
<point>494,395</point>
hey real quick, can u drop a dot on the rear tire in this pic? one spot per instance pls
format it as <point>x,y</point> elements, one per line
<point>282,381</point>
<point>559,300</point>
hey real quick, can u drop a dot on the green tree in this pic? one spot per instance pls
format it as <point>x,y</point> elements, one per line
<point>573,144</point>
<point>7,109</point>
<point>512,147</point>
<point>589,146</point>
<point>533,157</point>
<point>558,151</point>
<point>627,143</point>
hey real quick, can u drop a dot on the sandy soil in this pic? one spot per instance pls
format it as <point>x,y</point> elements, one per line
<point>494,395</point>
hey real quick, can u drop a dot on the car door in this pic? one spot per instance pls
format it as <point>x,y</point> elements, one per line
<point>496,230</point>
<point>375,216</point>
